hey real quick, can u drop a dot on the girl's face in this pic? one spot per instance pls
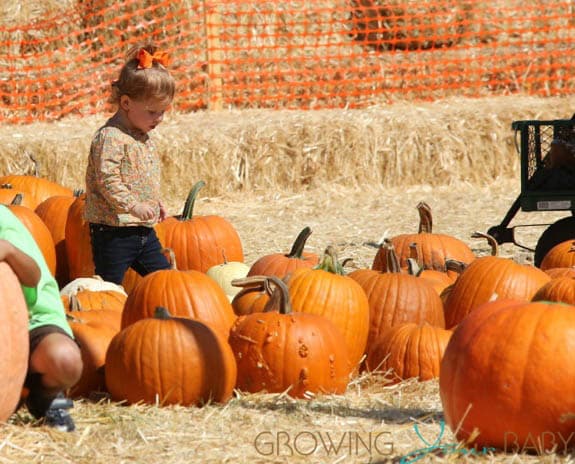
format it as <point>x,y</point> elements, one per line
<point>144,115</point>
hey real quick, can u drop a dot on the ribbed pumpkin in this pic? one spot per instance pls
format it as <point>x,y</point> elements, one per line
<point>435,248</point>
<point>439,280</point>
<point>555,272</point>
<point>54,213</point>
<point>560,289</point>
<point>397,298</point>
<point>15,343</point>
<point>488,276</point>
<point>192,294</point>
<point>325,290</point>
<point>505,375</point>
<point>279,350</point>
<point>170,360</point>
<point>200,242</point>
<point>39,231</point>
<point>40,188</point>
<point>251,298</point>
<point>10,195</point>
<point>77,241</point>
<point>561,255</point>
<point>89,300</point>
<point>281,264</point>
<point>94,339</point>
<point>410,351</point>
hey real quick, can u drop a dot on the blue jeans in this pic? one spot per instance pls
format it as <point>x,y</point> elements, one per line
<point>115,249</point>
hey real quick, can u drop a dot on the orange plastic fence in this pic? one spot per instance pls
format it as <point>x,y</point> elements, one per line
<point>290,54</point>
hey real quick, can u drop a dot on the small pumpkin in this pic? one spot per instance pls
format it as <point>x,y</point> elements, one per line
<point>224,273</point>
<point>280,264</point>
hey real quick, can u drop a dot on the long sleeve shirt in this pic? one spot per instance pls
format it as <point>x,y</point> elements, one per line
<point>123,169</point>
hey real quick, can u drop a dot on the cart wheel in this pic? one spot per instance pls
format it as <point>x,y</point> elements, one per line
<point>560,231</point>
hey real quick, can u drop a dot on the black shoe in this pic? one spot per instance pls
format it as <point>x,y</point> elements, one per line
<point>55,414</point>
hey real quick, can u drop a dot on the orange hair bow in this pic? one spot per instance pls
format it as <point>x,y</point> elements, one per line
<point>146,59</point>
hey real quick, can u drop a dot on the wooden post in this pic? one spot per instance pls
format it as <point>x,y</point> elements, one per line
<point>212,23</point>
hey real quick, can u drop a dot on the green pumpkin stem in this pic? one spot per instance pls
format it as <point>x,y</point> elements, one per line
<point>189,205</point>
<point>162,313</point>
<point>425,218</point>
<point>299,244</point>
<point>329,262</point>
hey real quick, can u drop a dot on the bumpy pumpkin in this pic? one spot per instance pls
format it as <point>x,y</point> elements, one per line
<point>200,242</point>
<point>409,351</point>
<point>279,350</point>
<point>504,376</point>
<point>280,264</point>
<point>170,360</point>
<point>15,345</point>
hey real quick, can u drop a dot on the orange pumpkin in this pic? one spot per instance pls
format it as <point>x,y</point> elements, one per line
<point>488,276</point>
<point>561,255</point>
<point>15,344</point>
<point>409,350</point>
<point>170,360</point>
<point>280,264</point>
<point>9,195</point>
<point>326,291</point>
<point>40,188</point>
<point>200,242</point>
<point>192,294</point>
<point>77,240</point>
<point>435,248</point>
<point>54,213</point>
<point>511,361</point>
<point>40,232</point>
<point>397,298</point>
<point>279,350</point>
<point>560,290</point>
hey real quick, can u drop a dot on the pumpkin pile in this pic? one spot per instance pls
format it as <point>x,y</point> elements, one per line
<point>497,333</point>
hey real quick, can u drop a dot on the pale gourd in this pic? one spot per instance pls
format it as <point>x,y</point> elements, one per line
<point>224,273</point>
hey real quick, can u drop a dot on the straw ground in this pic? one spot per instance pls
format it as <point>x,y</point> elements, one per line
<point>353,177</point>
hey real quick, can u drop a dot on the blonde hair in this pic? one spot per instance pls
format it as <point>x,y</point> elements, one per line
<point>154,82</point>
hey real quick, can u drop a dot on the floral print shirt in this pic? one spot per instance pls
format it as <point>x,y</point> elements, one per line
<point>123,169</point>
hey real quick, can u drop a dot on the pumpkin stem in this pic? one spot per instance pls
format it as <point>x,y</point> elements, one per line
<point>189,205</point>
<point>74,304</point>
<point>413,267</point>
<point>279,297</point>
<point>17,200</point>
<point>171,255</point>
<point>390,256</point>
<point>455,265</point>
<point>299,244</point>
<point>490,240</point>
<point>329,262</point>
<point>162,313</point>
<point>425,219</point>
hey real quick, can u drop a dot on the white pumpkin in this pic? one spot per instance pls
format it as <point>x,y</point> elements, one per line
<point>94,283</point>
<point>224,273</point>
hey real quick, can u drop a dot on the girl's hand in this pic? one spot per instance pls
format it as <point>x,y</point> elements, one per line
<point>143,211</point>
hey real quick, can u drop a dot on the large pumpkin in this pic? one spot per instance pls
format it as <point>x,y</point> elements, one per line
<point>170,360</point>
<point>15,345</point>
<point>326,291</point>
<point>200,242</point>
<point>435,248</point>
<point>507,374</point>
<point>279,350</point>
